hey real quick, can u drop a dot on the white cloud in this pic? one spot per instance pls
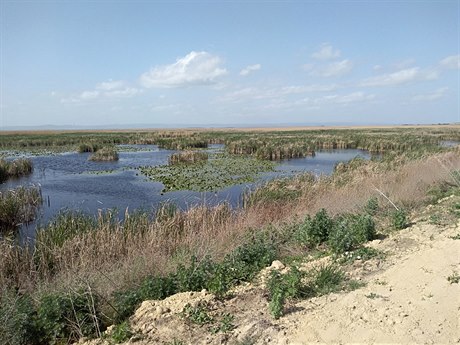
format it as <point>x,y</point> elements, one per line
<point>401,77</point>
<point>245,71</point>
<point>334,69</point>
<point>126,92</point>
<point>196,68</point>
<point>264,93</point>
<point>110,85</point>
<point>355,97</point>
<point>326,52</point>
<point>318,102</point>
<point>86,95</point>
<point>451,62</point>
<point>432,96</point>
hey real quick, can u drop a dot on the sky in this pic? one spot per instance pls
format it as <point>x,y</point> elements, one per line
<point>90,63</point>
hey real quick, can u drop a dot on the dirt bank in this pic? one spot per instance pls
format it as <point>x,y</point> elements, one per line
<point>407,299</point>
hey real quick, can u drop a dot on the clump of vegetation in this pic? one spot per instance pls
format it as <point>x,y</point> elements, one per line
<point>399,219</point>
<point>216,173</point>
<point>104,154</point>
<point>454,278</point>
<point>54,319</point>
<point>88,147</point>
<point>15,168</point>
<point>187,157</point>
<point>197,314</point>
<point>298,284</point>
<point>363,253</point>
<point>121,332</point>
<point>350,231</point>
<point>344,233</point>
<point>18,206</point>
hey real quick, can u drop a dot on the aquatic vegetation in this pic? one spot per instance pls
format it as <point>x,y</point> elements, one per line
<point>18,206</point>
<point>188,157</point>
<point>217,173</point>
<point>270,149</point>
<point>88,147</point>
<point>104,154</point>
<point>15,168</point>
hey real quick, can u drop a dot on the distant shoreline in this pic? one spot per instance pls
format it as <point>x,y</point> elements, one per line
<point>237,128</point>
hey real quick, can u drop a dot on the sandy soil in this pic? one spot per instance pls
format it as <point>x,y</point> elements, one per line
<point>407,299</point>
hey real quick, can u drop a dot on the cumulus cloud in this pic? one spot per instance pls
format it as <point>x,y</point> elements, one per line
<point>255,93</point>
<point>110,85</point>
<point>432,96</point>
<point>334,69</point>
<point>245,71</point>
<point>108,89</point>
<point>322,101</point>
<point>354,97</point>
<point>85,95</point>
<point>326,52</point>
<point>400,77</point>
<point>451,62</point>
<point>196,68</point>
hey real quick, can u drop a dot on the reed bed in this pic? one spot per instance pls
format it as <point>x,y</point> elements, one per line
<point>18,206</point>
<point>188,157</point>
<point>105,154</point>
<point>15,168</point>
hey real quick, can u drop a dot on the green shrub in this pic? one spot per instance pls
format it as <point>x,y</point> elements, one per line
<point>399,219</point>
<point>327,279</point>
<point>372,206</point>
<point>197,314</point>
<point>350,231</point>
<point>18,320</point>
<point>68,316</point>
<point>314,231</point>
<point>121,332</point>
<point>277,294</point>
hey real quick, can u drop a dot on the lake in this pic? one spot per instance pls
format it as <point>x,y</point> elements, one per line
<point>71,181</point>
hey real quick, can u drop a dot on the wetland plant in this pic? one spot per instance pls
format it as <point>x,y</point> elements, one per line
<point>18,206</point>
<point>188,157</point>
<point>105,154</point>
<point>15,168</point>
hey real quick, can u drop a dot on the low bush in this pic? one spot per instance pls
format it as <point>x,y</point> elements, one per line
<point>299,284</point>
<point>18,319</point>
<point>64,317</point>
<point>350,231</point>
<point>314,231</point>
<point>399,219</point>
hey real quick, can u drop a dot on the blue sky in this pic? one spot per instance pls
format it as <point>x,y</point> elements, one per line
<point>93,63</point>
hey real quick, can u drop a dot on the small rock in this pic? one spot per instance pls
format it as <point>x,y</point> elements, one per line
<point>277,265</point>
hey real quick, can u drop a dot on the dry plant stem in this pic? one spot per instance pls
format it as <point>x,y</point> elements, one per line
<point>391,202</point>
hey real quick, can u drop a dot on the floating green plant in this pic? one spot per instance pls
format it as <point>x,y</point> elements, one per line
<point>218,172</point>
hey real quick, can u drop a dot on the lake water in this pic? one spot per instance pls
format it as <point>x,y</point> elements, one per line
<point>66,183</point>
